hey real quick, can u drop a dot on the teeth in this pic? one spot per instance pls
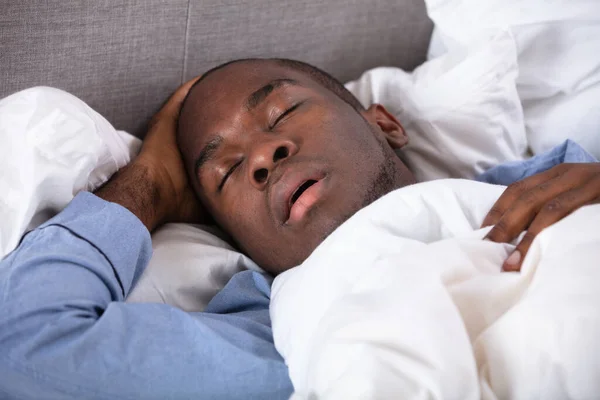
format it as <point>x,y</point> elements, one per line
<point>301,189</point>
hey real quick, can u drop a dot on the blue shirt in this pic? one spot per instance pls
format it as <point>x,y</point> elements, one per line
<point>65,332</point>
<point>507,173</point>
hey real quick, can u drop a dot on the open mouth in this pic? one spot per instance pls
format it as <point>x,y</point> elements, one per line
<point>295,192</point>
<point>301,189</point>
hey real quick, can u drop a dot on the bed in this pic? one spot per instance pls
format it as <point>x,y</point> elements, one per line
<point>124,60</point>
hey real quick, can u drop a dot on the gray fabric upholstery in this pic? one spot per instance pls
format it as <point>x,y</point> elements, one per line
<point>125,57</point>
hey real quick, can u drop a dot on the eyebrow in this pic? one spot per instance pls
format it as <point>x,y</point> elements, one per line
<point>210,149</point>
<point>207,153</point>
<point>261,94</point>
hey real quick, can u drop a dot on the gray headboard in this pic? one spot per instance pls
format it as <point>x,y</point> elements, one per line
<point>125,57</point>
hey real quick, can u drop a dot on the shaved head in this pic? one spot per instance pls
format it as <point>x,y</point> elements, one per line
<point>281,154</point>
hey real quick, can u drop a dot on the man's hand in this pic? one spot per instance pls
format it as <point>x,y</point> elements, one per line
<point>155,186</point>
<point>160,153</point>
<point>539,201</point>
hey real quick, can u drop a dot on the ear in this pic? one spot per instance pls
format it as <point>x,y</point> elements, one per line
<point>391,129</point>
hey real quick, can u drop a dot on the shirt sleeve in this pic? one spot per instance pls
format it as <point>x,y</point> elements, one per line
<point>507,173</point>
<point>66,333</point>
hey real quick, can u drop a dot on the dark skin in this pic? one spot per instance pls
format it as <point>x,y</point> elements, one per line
<point>154,187</point>
<point>324,138</point>
<point>269,129</point>
<point>539,201</point>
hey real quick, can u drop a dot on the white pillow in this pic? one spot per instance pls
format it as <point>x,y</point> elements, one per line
<point>558,53</point>
<point>461,111</point>
<point>189,265</point>
<point>436,45</point>
<point>52,146</point>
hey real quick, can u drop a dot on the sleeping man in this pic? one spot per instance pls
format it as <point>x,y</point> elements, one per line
<point>279,155</point>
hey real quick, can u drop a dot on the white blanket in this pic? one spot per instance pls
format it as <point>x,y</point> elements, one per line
<point>405,300</point>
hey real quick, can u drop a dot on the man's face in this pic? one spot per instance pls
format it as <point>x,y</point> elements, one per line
<point>280,161</point>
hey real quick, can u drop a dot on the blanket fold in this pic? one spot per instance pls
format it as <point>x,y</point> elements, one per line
<point>405,300</point>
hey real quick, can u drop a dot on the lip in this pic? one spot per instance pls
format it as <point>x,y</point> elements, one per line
<point>305,202</point>
<point>284,188</point>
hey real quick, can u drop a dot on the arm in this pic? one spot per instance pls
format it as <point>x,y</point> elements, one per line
<point>66,333</point>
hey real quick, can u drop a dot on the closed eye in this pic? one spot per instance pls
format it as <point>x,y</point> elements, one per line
<point>231,171</point>
<point>284,114</point>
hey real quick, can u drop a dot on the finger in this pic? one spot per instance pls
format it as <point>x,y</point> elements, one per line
<point>177,98</point>
<point>173,104</point>
<point>513,192</point>
<point>552,212</point>
<point>524,209</point>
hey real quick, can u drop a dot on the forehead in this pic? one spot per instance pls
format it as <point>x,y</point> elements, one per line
<point>221,99</point>
<point>231,85</point>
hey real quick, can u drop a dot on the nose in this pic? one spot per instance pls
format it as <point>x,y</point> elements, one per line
<point>265,156</point>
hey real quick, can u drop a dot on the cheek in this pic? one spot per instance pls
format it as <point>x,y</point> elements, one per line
<point>243,215</point>
<point>344,127</point>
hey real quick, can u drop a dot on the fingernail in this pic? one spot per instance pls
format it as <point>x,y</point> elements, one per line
<point>513,260</point>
